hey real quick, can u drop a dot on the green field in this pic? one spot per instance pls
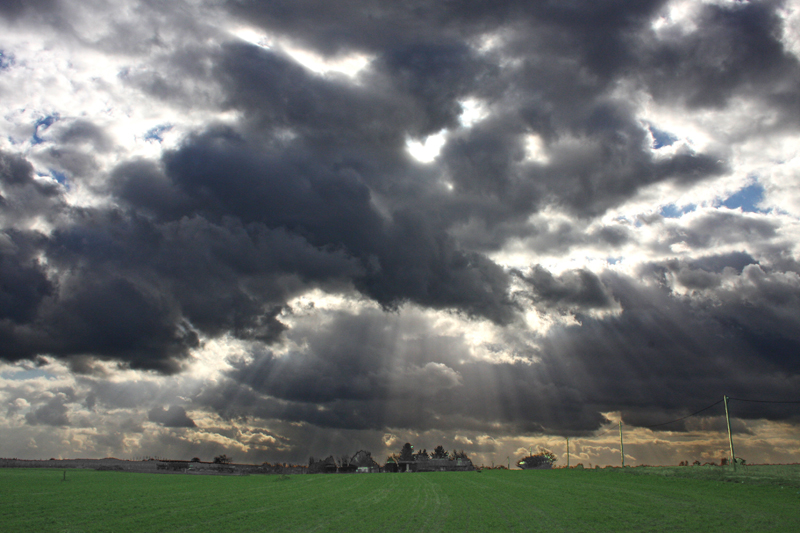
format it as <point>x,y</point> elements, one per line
<point>667,499</point>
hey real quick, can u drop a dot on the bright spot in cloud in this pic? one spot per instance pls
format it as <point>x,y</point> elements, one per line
<point>534,149</point>
<point>349,65</point>
<point>427,150</point>
<point>472,111</point>
<point>488,42</point>
<point>253,36</point>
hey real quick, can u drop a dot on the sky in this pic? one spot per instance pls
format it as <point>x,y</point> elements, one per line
<point>298,228</point>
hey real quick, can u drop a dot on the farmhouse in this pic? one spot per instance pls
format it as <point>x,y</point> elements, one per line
<point>364,463</point>
<point>323,466</point>
<point>391,465</point>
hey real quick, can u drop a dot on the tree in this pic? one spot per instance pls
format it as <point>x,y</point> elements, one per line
<point>421,454</point>
<point>439,452</point>
<point>543,458</point>
<point>223,460</point>
<point>407,453</point>
<point>195,459</point>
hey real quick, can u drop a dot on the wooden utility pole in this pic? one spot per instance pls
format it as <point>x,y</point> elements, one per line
<point>567,451</point>
<point>730,437</point>
<point>621,447</point>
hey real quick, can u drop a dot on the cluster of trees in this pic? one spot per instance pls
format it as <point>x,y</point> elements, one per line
<point>722,462</point>
<point>407,453</point>
<point>361,459</point>
<point>543,457</point>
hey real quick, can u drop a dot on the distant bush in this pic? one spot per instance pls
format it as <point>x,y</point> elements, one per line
<point>544,458</point>
<point>439,453</point>
<point>222,460</point>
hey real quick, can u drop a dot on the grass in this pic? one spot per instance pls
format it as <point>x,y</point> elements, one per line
<point>779,475</point>
<point>641,499</point>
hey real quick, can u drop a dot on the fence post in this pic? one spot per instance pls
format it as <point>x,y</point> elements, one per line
<point>621,447</point>
<point>730,437</point>
<point>567,451</point>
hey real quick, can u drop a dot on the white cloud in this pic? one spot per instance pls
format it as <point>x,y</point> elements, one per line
<point>426,150</point>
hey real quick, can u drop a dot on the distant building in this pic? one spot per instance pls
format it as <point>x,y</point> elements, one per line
<point>391,465</point>
<point>364,463</point>
<point>424,463</point>
<point>323,466</point>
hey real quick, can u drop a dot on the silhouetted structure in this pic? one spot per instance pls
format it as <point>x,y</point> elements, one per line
<point>391,465</point>
<point>363,463</point>
<point>540,461</point>
<point>439,461</point>
<point>323,466</point>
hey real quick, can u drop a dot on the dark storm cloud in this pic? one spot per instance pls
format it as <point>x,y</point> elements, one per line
<point>134,281</point>
<point>82,131</point>
<point>174,417</point>
<point>716,228</point>
<point>578,288</point>
<point>23,284</point>
<point>661,358</point>
<point>405,258</point>
<point>14,9</point>
<point>109,318</point>
<point>358,374</point>
<point>353,358</point>
<point>735,50</point>
<point>610,164</point>
<point>597,30</point>
<point>23,196</point>
<point>486,160</point>
<point>15,170</point>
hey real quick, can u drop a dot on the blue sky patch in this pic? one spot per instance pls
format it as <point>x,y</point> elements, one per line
<point>661,138</point>
<point>673,211</point>
<point>59,177</point>
<point>746,198</point>
<point>154,134</point>
<point>43,123</point>
<point>26,374</point>
<point>6,61</point>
